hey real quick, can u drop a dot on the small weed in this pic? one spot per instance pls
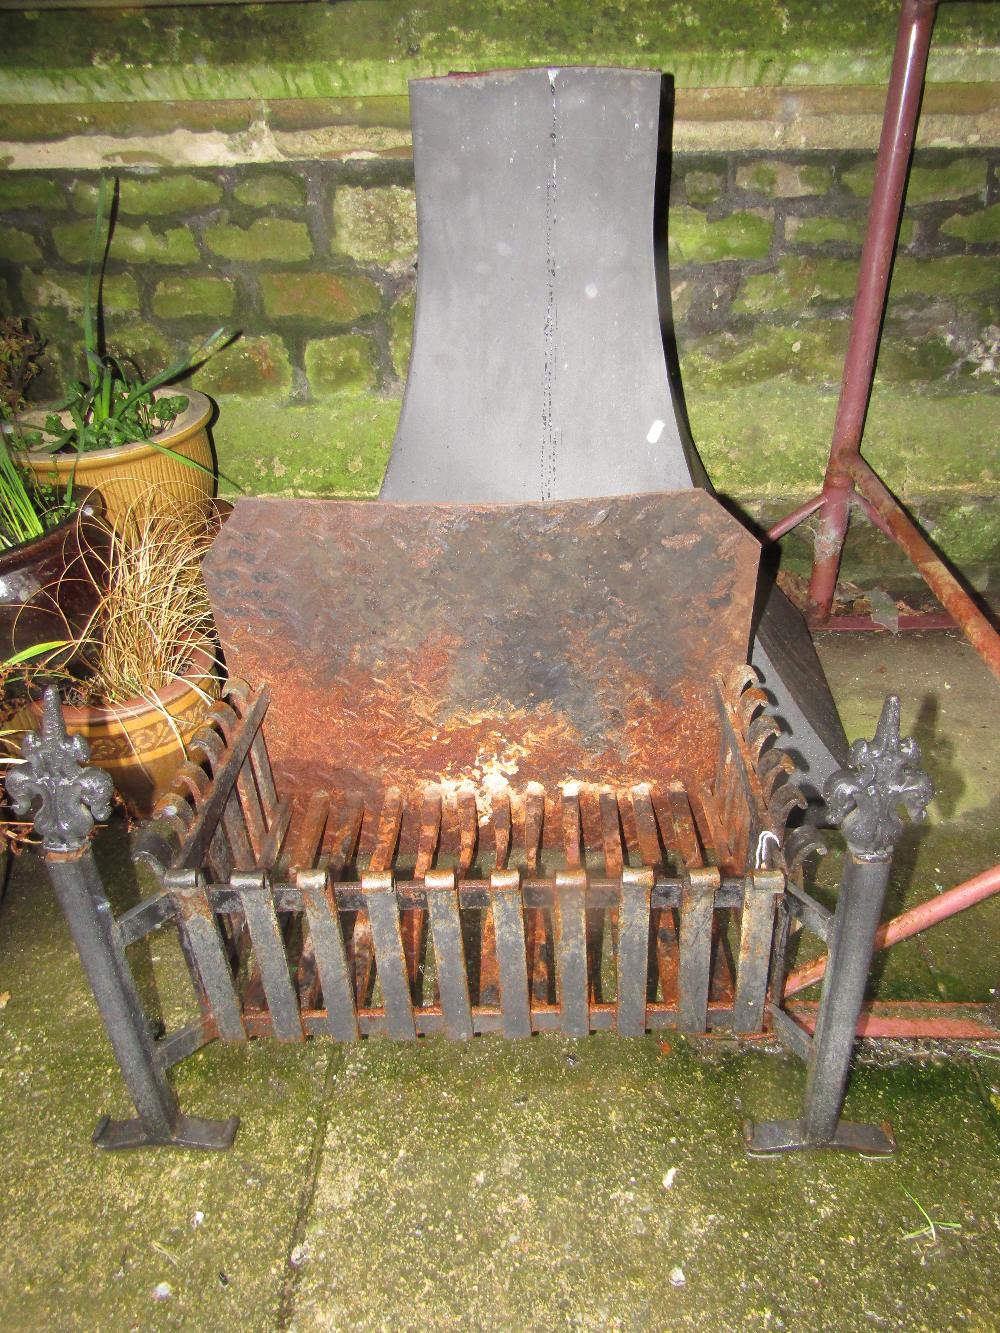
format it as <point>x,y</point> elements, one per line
<point>930,1231</point>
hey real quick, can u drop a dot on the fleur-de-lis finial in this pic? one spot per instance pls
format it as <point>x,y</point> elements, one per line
<point>884,773</point>
<point>72,798</point>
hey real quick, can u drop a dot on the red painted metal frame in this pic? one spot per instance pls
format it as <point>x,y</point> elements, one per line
<point>850,482</point>
<point>909,923</point>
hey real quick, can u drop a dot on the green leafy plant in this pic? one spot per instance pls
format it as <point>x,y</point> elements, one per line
<point>27,508</point>
<point>114,405</point>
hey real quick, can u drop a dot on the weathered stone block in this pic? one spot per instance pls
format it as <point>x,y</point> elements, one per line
<point>797,283</point>
<point>953,180</point>
<point>337,298</point>
<point>271,189</point>
<point>66,291</point>
<point>703,187</point>
<point>401,332</point>
<point>979,228</point>
<point>265,239</point>
<point>139,196</point>
<point>179,298</point>
<point>344,364</point>
<point>920,362</point>
<point>19,247</point>
<point>692,238</point>
<point>813,354</point>
<point>955,275</point>
<point>135,245</point>
<point>376,224</point>
<point>27,190</point>
<point>784,180</point>
<point>144,344</point>
<point>820,230</point>
<point>256,366</point>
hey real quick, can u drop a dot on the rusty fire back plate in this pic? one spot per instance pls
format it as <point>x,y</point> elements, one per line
<point>410,643</point>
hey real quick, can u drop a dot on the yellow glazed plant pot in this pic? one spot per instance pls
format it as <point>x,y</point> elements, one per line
<point>131,476</point>
<point>141,743</point>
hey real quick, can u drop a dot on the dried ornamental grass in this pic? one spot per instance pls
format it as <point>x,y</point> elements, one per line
<point>155,608</point>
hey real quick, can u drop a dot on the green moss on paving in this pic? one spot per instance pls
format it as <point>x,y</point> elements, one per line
<point>340,447</point>
<point>515,1202</point>
<point>773,438</point>
<point>97,1233</point>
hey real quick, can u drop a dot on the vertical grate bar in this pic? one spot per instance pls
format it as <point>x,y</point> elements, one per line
<point>759,896</point>
<point>685,833</point>
<point>571,951</point>
<point>633,950</point>
<point>269,950</point>
<point>246,788</point>
<point>646,829</point>
<point>697,910</point>
<point>501,829</point>
<point>260,763</point>
<point>196,922</point>
<point>383,919</point>
<point>449,953</point>
<point>534,815</point>
<point>331,958</point>
<point>508,921</point>
<point>611,832</point>
<point>236,834</point>
<point>468,823</point>
<point>430,831</point>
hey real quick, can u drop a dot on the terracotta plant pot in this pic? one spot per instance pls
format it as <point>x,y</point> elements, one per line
<point>133,474</point>
<point>136,742</point>
<point>50,586</point>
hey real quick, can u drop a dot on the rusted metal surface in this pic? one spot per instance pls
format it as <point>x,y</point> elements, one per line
<point>537,928</point>
<point>464,646</point>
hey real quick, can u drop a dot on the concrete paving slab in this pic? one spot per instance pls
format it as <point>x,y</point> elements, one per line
<point>150,1239</point>
<point>602,1184</point>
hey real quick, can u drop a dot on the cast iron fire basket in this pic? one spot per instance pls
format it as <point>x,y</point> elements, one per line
<point>444,906</point>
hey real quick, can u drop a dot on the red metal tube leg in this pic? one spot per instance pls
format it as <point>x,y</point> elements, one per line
<point>898,129</point>
<point>936,574</point>
<point>911,923</point>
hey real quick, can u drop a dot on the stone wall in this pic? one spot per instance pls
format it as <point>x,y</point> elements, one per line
<point>293,221</point>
